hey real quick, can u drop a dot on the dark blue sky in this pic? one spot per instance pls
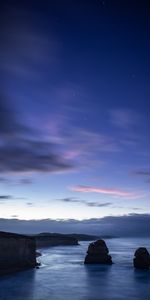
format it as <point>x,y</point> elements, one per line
<point>74,106</point>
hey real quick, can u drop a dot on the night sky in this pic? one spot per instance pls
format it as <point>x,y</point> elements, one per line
<point>74,109</point>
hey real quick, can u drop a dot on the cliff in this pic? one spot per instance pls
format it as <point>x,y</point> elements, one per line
<point>54,239</point>
<point>83,237</point>
<point>17,252</point>
<point>47,239</point>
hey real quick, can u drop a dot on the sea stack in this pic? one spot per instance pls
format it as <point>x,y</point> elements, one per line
<point>142,258</point>
<point>98,253</point>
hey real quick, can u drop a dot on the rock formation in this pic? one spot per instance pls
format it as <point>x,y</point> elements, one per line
<point>17,252</point>
<point>98,253</point>
<point>54,239</point>
<point>142,258</point>
<point>38,254</point>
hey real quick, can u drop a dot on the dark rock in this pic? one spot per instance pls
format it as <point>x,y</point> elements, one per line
<point>142,258</point>
<point>83,237</point>
<point>37,267</point>
<point>38,264</point>
<point>98,253</point>
<point>38,254</point>
<point>54,239</point>
<point>17,252</point>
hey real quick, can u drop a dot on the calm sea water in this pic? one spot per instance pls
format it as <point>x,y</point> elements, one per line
<point>63,276</point>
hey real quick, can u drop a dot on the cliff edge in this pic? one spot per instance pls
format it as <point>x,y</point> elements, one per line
<point>17,252</point>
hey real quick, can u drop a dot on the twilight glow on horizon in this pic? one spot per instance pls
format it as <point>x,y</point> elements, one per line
<point>74,109</point>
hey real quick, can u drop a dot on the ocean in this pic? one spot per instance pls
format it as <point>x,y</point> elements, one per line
<point>63,275</point>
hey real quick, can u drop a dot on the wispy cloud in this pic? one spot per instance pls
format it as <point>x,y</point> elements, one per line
<point>137,208</point>
<point>68,199</point>
<point>29,203</point>
<point>84,202</point>
<point>108,191</point>
<point>25,49</point>
<point>142,173</point>
<point>124,118</point>
<point>5,197</point>
<point>26,181</point>
<point>4,180</point>
<point>26,151</point>
<point>24,156</point>
<point>80,146</point>
<point>147,181</point>
<point>27,52</point>
<point>80,140</point>
<point>95,204</point>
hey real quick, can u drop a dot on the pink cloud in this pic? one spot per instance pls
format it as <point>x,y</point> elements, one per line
<point>71,154</point>
<point>108,191</point>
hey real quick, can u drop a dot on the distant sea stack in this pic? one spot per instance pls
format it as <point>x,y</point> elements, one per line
<point>142,258</point>
<point>98,253</point>
<point>17,252</point>
<point>54,239</point>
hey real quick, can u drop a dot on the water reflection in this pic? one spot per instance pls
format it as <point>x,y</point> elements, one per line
<point>98,278</point>
<point>18,286</point>
<point>63,275</point>
<point>141,281</point>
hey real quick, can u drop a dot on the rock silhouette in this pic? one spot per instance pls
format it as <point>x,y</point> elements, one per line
<point>17,252</point>
<point>54,239</point>
<point>98,253</point>
<point>142,258</point>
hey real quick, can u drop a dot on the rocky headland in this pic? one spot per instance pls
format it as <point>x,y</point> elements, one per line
<point>54,239</point>
<point>17,252</point>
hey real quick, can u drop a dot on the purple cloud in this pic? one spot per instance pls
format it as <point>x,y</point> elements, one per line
<point>22,149</point>
<point>124,118</point>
